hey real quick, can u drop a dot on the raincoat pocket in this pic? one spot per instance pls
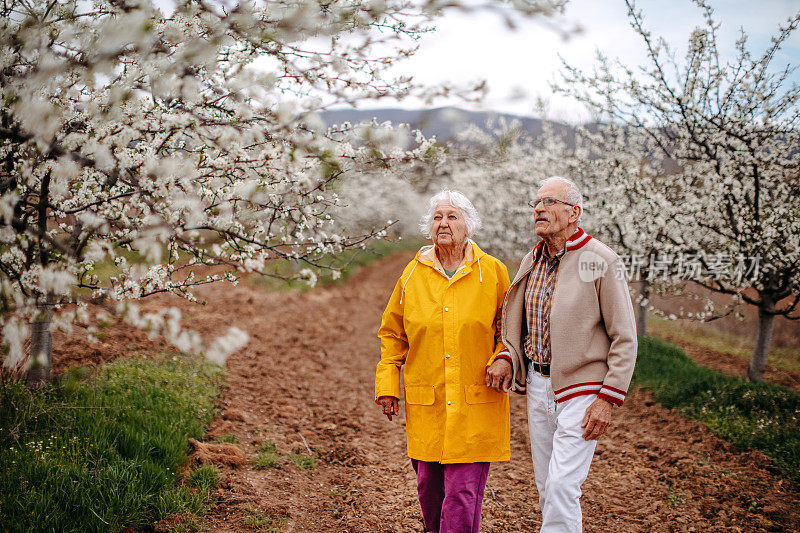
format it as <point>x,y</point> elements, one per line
<point>419,395</point>
<point>482,394</point>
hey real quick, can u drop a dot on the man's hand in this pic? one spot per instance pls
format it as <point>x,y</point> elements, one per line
<point>596,419</point>
<point>390,405</point>
<point>498,375</point>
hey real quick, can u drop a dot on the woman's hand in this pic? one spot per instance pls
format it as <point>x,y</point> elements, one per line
<point>390,405</point>
<point>498,375</point>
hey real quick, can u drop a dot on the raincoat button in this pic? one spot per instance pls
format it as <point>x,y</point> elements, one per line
<point>449,402</point>
<point>447,356</point>
<point>446,308</point>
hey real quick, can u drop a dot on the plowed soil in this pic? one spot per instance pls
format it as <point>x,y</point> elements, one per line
<point>305,381</point>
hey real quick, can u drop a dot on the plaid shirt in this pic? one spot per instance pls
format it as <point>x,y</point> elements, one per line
<point>538,302</point>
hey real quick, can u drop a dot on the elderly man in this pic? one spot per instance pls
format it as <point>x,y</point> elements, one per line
<point>568,324</point>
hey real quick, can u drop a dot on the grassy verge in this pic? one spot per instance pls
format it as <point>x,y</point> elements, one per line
<point>758,416</point>
<point>347,262</point>
<point>102,454</point>
<point>704,335</point>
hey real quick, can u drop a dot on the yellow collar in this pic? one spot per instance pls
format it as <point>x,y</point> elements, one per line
<point>428,254</point>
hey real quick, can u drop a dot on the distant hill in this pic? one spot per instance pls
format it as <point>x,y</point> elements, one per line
<point>446,122</point>
<point>443,122</point>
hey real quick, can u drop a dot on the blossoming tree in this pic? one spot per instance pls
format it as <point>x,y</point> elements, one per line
<point>499,167</point>
<point>618,172</point>
<point>729,130</point>
<point>187,138</point>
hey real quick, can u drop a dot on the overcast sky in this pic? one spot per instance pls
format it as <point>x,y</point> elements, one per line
<point>469,47</point>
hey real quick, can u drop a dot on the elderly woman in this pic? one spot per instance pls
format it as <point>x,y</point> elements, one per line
<point>443,322</point>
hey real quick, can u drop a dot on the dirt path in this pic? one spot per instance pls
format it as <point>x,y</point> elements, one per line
<point>308,374</point>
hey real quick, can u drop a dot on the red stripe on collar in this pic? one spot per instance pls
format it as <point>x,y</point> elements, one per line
<point>578,240</point>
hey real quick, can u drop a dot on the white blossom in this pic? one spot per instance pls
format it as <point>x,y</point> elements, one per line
<point>223,346</point>
<point>192,135</point>
<point>15,332</point>
<point>707,149</point>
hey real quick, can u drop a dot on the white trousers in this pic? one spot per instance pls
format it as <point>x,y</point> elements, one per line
<point>561,457</point>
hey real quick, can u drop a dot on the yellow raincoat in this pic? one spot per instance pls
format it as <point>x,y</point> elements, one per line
<point>447,332</point>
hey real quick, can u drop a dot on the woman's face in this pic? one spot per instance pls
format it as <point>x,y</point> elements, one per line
<point>448,227</point>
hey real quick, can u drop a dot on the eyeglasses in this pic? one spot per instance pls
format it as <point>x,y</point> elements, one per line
<point>549,201</point>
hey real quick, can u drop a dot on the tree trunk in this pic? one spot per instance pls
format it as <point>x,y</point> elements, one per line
<point>641,307</point>
<point>766,324</point>
<point>41,346</point>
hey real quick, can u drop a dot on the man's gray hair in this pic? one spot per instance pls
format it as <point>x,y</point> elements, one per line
<point>457,200</point>
<point>574,195</point>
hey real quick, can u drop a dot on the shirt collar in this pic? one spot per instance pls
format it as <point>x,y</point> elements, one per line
<point>544,253</point>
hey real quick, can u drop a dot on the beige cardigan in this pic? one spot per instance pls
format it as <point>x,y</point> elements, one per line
<point>592,326</point>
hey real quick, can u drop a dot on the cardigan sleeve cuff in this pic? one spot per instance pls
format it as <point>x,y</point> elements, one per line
<point>503,355</point>
<point>612,395</point>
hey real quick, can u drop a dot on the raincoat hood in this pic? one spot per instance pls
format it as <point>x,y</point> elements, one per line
<point>427,256</point>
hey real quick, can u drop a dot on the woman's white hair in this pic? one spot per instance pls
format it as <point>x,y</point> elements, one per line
<point>573,195</point>
<point>457,200</point>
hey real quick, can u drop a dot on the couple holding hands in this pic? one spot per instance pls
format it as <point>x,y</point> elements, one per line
<point>562,333</point>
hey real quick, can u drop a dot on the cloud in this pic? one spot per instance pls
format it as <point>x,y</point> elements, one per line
<point>480,46</point>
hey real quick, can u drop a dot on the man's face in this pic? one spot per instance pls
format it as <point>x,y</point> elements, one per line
<point>448,227</point>
<point>553,219</point>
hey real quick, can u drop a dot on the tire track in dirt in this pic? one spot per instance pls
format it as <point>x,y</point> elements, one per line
<point>308,373</point>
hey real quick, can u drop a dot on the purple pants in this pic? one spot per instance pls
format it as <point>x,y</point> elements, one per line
<point>451,495</point>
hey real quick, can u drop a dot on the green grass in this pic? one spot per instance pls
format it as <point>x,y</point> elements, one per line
<point>227,437</point>
<point>675,498</point>
<point>190,524</point>
<point>352,259</point>
<point>337,492</point>
<point>704,335</point>
<point>103,453</point>
<point>260,521</point>
<point>303,461</point>
<point>267,456</point>
<point>204,477</point>
<point>756,416</point>
<point>347,262</point>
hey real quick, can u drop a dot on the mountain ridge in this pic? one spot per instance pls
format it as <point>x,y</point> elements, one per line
<point>442,122</point>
